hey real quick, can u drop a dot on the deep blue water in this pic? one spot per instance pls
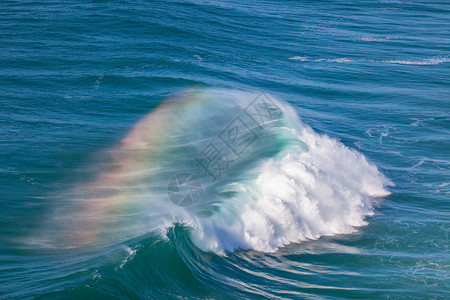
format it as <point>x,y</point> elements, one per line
<point>76,78</point>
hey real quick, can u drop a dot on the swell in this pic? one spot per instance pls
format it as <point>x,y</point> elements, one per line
<point>156,266</point>
<point>170,264</point>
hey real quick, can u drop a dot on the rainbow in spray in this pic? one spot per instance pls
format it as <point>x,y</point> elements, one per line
<point>267,179</point>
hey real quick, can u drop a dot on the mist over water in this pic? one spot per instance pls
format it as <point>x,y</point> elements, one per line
<point>190,149</point>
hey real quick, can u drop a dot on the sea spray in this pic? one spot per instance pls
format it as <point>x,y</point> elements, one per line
<point>239,168</point>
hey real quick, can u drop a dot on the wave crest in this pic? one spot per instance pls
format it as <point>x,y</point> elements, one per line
<point>325,190</point>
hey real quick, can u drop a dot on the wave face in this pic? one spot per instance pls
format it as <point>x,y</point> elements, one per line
<point>238,168</point>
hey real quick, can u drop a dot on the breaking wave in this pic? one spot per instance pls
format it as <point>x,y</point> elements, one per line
<point>240,170</point>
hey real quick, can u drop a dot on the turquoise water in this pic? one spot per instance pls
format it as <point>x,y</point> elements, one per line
<point>342,192</point>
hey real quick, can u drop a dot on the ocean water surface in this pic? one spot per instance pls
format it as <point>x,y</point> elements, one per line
<point>224,149</point>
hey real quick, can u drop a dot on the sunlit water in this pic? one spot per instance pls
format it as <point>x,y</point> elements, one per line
<point>339,190</point>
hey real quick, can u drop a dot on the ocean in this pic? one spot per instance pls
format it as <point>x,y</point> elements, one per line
<point>187,149</point>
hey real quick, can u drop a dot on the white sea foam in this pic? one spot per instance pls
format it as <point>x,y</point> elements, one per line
<point>330,60</point>
<point>129,257</point>
<point>341,60</point>
<point>375,39</point>
<point>325,190</point>
<point>299,58</point>
<point>428,61</point>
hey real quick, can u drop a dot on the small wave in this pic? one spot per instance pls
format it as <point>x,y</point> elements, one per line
<point>98,81</point>
<point>330,60</point>
<point>375,39</point>
<point>428,61</point>
<point>418,121</point>
<point>338,60</point>
<point>130,254</point>
<point>299,58</point>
